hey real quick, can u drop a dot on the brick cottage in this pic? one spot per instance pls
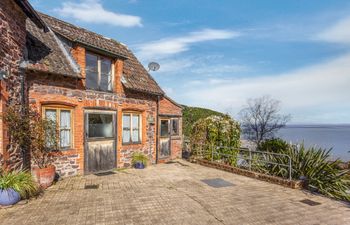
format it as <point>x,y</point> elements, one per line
<point>105,103</point>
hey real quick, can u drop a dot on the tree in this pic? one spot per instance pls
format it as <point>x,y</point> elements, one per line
<point>261,119</point>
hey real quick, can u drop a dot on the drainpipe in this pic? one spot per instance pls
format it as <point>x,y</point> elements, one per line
<point>157,129</point>
<point>24,150</point>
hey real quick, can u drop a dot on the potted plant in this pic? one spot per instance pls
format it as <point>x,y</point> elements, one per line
<point>139,160</point>
<point>16,185</point>
<point>30,132</point>
<point>44,144</point>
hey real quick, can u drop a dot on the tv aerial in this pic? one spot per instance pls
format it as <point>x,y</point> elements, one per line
<point>153,66</point>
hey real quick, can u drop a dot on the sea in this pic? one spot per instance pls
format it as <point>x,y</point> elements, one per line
<point>326,136</point>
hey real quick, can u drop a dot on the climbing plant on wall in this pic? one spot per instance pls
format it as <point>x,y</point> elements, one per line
<point>221,133</point>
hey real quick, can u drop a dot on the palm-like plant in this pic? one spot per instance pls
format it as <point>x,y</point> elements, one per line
<point>139,157</point>
<point>20,181</point>
<point>313,164</point>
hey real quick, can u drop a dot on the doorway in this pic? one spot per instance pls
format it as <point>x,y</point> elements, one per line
<point>164,138</point>
<point>100,146</point>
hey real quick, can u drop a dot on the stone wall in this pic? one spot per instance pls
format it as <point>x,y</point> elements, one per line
<point>47,90</point>
<point>12,39</point>
<point>67,165</point>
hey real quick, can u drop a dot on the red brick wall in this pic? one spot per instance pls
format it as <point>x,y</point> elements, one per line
<point>56,90</point>
<point>169,109</point>
<point>12,43</point>
<point>166,107</point>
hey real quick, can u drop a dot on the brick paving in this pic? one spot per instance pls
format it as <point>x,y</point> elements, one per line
<point>173,194</point>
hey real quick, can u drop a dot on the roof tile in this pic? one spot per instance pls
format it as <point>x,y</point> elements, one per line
<point>135,76</point>
<point>45,54</point>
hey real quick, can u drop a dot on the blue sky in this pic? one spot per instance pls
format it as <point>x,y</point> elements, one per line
<point>217,54</point>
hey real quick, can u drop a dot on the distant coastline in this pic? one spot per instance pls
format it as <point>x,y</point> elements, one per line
<point>335,136</point>
<point>317,125</point>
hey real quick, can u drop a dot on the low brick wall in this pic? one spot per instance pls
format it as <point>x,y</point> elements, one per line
<point>272,179</point>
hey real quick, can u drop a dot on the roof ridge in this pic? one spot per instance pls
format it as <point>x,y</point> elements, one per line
<point>78,27</point>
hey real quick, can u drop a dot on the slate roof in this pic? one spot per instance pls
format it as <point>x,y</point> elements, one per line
<point>31,13</point>
<point>135,76</point>
<point>45,53</point>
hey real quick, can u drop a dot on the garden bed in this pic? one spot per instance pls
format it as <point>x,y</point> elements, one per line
<point>295,184</point>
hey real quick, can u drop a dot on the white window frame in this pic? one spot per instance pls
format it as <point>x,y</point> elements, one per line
<point>99,57</point>
<point>140,128</point>
<point>58,114</point>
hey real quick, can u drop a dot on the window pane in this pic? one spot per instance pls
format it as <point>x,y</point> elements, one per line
<point>64,138</point>
<point>100,125</point>
<point>126,128</point>
<point>51,140</point>
<point>135,128</point>
<point>65,119</point>
<point>164,128</point>
<point>91,71</point>
<point>50,114</point>
<point>106,75</point>
<point>65,124</point>
<point>174,126</point>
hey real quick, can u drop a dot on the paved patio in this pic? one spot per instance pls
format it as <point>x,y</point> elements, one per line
<point>173,194</point>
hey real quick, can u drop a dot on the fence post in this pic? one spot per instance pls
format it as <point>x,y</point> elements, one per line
<point>250,159</point>
<point>212,153</point>
<point>290,168</point>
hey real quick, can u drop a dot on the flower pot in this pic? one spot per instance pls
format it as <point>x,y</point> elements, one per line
<point>45,176</point>
<point>139,165</point>
<point>9,197</point>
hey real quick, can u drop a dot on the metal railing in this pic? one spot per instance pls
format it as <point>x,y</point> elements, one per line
<point>249,156</point>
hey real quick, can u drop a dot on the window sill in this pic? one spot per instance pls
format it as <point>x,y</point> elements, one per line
<point>132,143</point>
<point>98,90</point>
<point>177,137</point>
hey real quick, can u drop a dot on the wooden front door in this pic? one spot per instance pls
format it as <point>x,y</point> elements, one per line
<point>100,146</point>
<point>164,139</point>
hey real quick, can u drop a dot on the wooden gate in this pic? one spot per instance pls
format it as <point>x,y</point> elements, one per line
<point>100,145</point>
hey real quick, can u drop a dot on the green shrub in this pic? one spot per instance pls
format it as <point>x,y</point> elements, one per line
<point>20,181</point>
<point>313,165</point>
<point>276,145</point>
<point>219,132</point>
<point>192,114</point>
<point>139,157</point>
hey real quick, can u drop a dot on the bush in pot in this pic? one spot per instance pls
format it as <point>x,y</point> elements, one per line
<point>44,144</point>
<point>30,132</point>
<point>139,160</point>
<point>16,185</point>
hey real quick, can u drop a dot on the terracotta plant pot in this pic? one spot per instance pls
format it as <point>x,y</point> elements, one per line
<point>9,197</point>
<point>45,176</point>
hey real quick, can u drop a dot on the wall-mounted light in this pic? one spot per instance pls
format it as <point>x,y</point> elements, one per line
<point>150,119</point>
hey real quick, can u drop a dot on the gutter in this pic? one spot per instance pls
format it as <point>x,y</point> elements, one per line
<point>157,129</point>
<point>24,150</point>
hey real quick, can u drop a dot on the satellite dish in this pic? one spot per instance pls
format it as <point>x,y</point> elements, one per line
<point>153,66</point>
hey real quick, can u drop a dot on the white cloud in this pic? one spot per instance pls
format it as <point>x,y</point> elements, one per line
<point>220,69</point>
<point>338,33</point>
<point>92,11</point>
<point>172,65</point>
<point>310,94</point>
<point>170,46</point>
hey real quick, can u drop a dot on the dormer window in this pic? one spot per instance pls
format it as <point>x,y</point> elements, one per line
<point>98,70</point>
